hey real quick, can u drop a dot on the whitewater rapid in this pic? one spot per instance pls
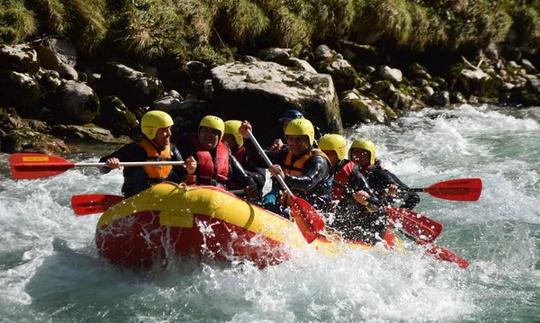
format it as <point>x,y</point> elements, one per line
<point>50,269</point>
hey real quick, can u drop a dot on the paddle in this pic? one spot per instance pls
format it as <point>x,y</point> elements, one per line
<point>444,254</point>
<point>93,203</point>
<point>413,224</point>
<point>461,189</point>
<point>34,165</point>
<point>306,217</point>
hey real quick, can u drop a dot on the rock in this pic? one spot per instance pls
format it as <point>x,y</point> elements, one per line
<point>323,52</point>
<point>262,91</point>
<point>441,98</point>
<point>21,91</point>
<point>175,94</point>
<point>393,75</point>
<point>67,72</point>
<point>133,87</point>
<point>167,104</point>
<point>275,54</point>
<point>26,140</point>
<point>356,108</point>
<point>20,58</point>
<point>79,102</point>
<point>53,52</point>
<point>477,82</point>
<point>116,117</point>
<point>528,66</point>
<point>343,73</point>
<point>87,132</point>
<point>457,97</point>
<point>419,72</point>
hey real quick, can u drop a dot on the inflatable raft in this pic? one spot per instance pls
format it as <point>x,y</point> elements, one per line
<point>169,220</point>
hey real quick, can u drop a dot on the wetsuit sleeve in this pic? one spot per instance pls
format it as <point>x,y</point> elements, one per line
<point>316,170</point>
<point>410,198</point>
<point>238,174</point>
<point>359,183</point>
<point>128,153</point>
<point>276,157</point>
<point>178,173</point>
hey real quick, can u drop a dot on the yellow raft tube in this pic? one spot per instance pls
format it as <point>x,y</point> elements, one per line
<point>174,220</point>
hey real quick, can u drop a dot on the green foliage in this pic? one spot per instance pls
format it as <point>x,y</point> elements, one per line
<point>87,24</point>
<point>331,18</point>
<point>526,25</point>
<point>16,21</point>
<point>246,21</point>
<point>51,15</point>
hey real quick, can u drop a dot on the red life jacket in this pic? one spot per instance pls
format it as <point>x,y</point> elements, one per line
<point>156,173</point>
<point>341,178</point>
<point>209,168</point>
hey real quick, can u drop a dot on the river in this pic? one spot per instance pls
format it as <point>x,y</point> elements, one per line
<point>50,270</point>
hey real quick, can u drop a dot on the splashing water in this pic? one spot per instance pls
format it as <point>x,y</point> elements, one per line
<point>50,269</point>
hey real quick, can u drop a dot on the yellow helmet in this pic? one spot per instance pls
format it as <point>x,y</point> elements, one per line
<point>231,128</point>
<point>301,127</point>
<point>154,120</point>
<point>213,122</point>
<point>365,144</point>
<point>336,143</point>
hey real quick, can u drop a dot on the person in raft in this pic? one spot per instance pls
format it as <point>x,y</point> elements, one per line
<point>155,145</point>
<point>216,164</point>
<point>388,188</point>
<point>284,122</point>
<point>304,168</point>
<point>235,141</point>
<point>357,213</point>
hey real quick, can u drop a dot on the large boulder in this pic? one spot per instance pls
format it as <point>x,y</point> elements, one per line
<point>116,117</point>
<point>59,55</point>
<point>21,58</point>
<point>356,108</point>
<point>262,91</point>
<point>86,133</point>
<point>21,91</point>
<point>79,102</point>
<point>343,73</point>
<point>133,87</point>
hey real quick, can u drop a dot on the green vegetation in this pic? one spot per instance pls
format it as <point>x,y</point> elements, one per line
<point>148,30</point>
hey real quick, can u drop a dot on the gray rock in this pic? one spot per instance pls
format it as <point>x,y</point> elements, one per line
<point>357,108</point>
<point>528,66</point>
<point>27,140</point>
<point>133,87</point>
<point>88,132</point>
<point>441,98</point>
<point>79,102</point>
<point>20,58</point>
<point>167,104</point>
<point>22,91</point>
<point>391,74</point>
<point>116,117</point>
<point>55,51</point>
<point>323,52</point>
<point>275,54</point>
<point>262,91</point>
<point>67,72</point>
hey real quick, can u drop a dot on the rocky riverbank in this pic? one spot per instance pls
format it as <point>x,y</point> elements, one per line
<point>47,98</point>
<point>102,64</point>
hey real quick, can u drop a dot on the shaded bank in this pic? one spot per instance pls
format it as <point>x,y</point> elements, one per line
<point>67,64</point>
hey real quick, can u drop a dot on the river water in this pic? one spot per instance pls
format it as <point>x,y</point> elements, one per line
<point>50,270</point>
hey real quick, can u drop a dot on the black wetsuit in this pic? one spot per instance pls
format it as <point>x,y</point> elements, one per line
<point>315,183</point>
<point>379,178</point>
<point>353,220</point>
<point>136,178</point>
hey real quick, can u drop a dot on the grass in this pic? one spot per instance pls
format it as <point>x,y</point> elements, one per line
<point>148,30</point>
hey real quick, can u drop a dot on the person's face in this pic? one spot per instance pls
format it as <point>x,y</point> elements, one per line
<point>163,136</point>
<point>230,141</point>
<point>208,137</point>
<point>298,144</point>
<point>360,157</point>
<point>332,156</point>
